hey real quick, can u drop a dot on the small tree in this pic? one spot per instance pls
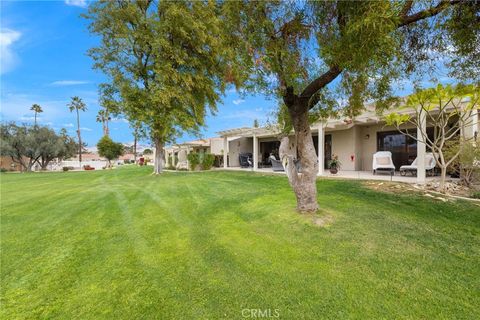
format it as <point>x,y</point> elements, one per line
<point>147,151</point>
<point>468,160</point>
<point>109,149</point>
<point>37,109</point>
<point>78,105</point>
<point>448,110</point>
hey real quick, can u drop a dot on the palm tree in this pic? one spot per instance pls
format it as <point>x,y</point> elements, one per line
<point>37,109</point>
<point>103,116</point>
<point>78,105</point>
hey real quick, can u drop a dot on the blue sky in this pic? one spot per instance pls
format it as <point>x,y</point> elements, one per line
<point>44,61</point>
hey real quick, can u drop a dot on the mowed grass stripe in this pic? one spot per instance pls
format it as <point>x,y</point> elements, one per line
<point>125,244</point>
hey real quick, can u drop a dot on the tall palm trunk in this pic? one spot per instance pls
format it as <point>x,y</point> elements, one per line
<point>79,140</point>
<point>135,146</point>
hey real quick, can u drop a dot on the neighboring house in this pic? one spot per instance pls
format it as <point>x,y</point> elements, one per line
<point>178,153</point>
<point>354,141</point>
<point>128,157</point>
<point>91,159</point>
<point>6,163</point>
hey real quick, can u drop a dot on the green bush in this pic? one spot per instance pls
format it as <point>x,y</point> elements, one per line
<point>3,170</point>
<point>65,168</point>
<point>208,160</point>
<point>193,160</point>
<point>475,195</point>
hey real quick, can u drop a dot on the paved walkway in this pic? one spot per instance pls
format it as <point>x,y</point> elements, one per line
<point>346,174</point>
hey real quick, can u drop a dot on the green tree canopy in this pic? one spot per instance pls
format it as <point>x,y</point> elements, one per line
<point>109,149</point>
<point>28,145</point>
<point>329,57</point>
<point>167,62</point>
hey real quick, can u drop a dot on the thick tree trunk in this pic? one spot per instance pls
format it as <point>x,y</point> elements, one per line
<point>79,140</point>
<point>304,183</point>
<point>135,148</point>
<point>158,165</point>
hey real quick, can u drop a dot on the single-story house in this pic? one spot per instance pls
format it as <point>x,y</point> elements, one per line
<point>354,141</point>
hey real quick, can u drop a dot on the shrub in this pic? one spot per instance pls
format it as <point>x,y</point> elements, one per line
<point>170,165</point>
<point>193,160</point>
<point>65,168</point>
<point>467,162</point>
<point>3,170</point>
<point>475,195</point>
<point>208,160</point>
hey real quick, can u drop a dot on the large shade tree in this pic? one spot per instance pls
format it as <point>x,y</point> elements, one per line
<point>27,145</point>
<point>166,60</point>
<point>313,54</point>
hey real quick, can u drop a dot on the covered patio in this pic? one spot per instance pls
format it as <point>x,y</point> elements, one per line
<point>344,174</point>
<point>353,141</point>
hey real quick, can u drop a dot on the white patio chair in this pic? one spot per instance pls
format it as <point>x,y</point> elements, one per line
<point>382,161</point>
<point>430,164</point>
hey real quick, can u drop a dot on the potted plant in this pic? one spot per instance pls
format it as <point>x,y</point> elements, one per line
<point>334,164</point>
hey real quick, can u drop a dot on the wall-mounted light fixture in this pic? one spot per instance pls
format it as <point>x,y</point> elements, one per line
<point>367,136</point>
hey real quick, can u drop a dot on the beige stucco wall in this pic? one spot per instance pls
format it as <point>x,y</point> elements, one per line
<point>344,145</point>
<point>237,146</point>
<point>216,146</point>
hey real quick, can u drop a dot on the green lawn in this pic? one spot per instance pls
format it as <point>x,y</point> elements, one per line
<point>123,244</point>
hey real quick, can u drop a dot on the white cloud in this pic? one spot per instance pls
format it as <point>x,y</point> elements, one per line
<point>238,101</point>
<point>29,118</point>
<point>119,120</point>
<point>8,58</point>
<point>85,129</point>
<point>246,114</point>
<point>62,83</point>
<point>76,3</point>
<point>17,105</point>
<point>68,125</point>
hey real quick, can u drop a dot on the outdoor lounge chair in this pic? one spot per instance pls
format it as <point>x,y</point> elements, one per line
<point>245,160</point>
<point>430,164</point>
<point>277,165</point>
<point>382,161</point>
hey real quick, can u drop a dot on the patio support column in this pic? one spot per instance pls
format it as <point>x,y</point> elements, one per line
<point>421,148</point>
<point>470,125</point>
<point>255,152</point>
<point>225,152</point>
<point>321,151</point>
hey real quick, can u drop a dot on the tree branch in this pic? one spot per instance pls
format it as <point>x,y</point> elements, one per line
<point>320,82</point>
<point>405,20</point>
<point>427,13</point>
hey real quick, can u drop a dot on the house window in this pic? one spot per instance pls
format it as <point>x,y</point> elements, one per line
<point>402,147</point>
